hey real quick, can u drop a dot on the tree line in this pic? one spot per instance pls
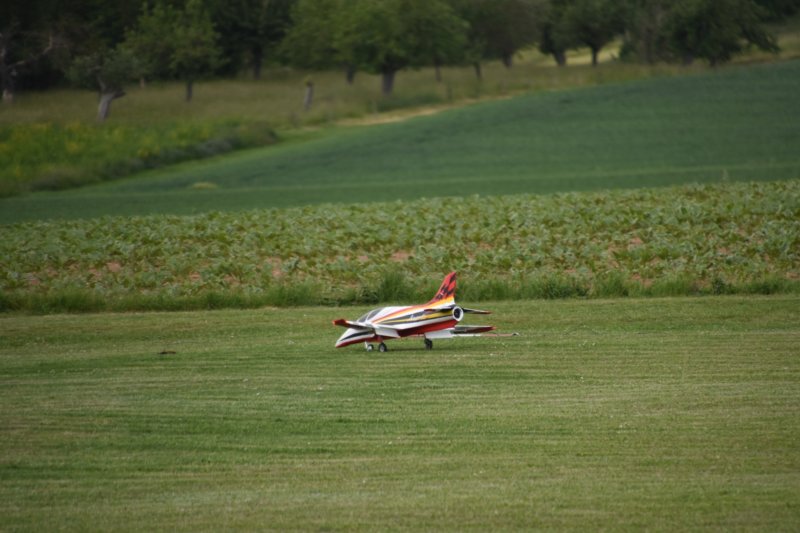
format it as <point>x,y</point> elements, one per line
<point>106,44</point>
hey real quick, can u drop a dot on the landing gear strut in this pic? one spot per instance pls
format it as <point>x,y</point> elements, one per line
<point>428,344</point>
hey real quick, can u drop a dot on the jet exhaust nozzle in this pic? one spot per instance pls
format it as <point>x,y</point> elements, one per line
<point>458,313</point>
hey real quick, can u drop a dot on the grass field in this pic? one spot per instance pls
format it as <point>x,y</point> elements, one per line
<point>733,124</point>
<point>659,414</point>
<point>50,141</point>
<point>630,414</point>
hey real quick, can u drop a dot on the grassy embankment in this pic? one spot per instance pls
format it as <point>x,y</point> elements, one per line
<point>51,141</point>
<point>736,124</point>
<point>665,414</point>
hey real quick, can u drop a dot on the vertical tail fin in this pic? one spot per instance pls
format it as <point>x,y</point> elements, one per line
<point>447,290</point>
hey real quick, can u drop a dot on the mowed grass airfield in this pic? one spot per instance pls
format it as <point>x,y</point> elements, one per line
<point>660,414</point>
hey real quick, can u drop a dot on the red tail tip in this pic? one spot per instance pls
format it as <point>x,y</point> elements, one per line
<point>447,289</point>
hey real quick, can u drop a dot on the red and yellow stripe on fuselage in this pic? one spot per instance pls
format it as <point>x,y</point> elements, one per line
<point>402,322</point>
<point>416,319</point>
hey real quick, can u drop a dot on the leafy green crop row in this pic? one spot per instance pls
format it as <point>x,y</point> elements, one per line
<point>712,238</point>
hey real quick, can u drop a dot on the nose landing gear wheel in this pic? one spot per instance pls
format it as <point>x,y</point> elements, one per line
<point>428,344</point>
<point>382,348</point>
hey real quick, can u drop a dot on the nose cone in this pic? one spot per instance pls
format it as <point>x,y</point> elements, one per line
<point>342,340</point>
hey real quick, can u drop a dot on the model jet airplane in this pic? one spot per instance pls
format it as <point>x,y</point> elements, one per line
<point>436,319</point>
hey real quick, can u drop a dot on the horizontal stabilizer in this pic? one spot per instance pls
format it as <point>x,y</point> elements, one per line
<point>476,311</point>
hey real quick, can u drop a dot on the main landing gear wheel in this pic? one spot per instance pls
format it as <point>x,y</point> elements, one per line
<point>428,344</point>
<point>382,348</point>
<point>369,347</point>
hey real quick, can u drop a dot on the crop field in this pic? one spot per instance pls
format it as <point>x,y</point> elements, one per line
<point>50,140</point>
<point>711,239</point>
<point>735,124</point>
<point>660,414</point>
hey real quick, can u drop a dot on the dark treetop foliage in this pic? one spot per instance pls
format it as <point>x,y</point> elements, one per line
<point>189,39</point>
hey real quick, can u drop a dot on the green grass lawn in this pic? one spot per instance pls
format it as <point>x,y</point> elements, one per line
<point>733,124</point>
<point>665,414</point>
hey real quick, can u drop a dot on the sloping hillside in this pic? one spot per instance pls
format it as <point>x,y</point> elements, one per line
<point>733,124</point>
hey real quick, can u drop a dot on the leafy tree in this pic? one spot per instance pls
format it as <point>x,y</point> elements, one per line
<point>387,36</point>
<point>370,36</point>
<point>594,23</point>
<point>310,40</point>
<point>195,52</point>
<point>646,38</point>
<point>471,11</point>
<point>556,38</point>
<point>715,30</point>
<point>498,29</point>
<point>251,30</point>
<point>108,71</point>
<point>172,43</point>
<point>510,25</point>
<point>151,40</point>
<point>438,34</point>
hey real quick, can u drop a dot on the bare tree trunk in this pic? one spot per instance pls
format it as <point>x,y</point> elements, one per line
<point>595,52</point>
<point>189,90</point>
<point>561,58</point>
<point>104,108</point>
<point>258,60</point>
<point>508,60</point>
<point>350,74</point>
<point>8,81</point>
<point>387,82</point>
<point>437,67</point>
<point>309,98</point>
<point>478,70</point>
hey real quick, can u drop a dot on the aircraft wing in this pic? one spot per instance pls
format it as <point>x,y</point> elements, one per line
<point>452,305</point>
<point>350,324</point>
<point>381,331</point>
